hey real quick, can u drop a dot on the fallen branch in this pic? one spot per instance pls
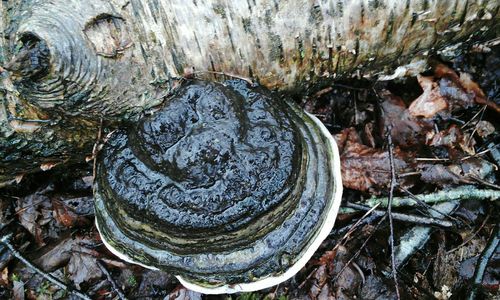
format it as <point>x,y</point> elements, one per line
<point>415,238</point>
<point>466,192</point>
<point>115,286</point>
<point>483,260</point>
<point>389,210</point>
<point>405,217</point>
<point>6,241</point>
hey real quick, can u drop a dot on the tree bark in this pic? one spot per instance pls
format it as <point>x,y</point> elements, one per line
<point>68,64</point>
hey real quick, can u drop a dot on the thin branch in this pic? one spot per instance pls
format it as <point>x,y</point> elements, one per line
<point>466,192</point>
<point>483,260</point>
<point>484,182</point>
<point>6,241</point>
<point>115,286</point>
<point>471,237</point>
<point>405,217</point>
<point>360,249</point>
<point>389,210</point>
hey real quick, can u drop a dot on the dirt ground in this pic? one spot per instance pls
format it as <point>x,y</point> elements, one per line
<point>436,133</point>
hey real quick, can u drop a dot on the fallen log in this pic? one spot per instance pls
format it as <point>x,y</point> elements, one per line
<point>68,65</point>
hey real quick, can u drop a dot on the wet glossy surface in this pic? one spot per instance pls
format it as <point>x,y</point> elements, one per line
<point>225,184</point>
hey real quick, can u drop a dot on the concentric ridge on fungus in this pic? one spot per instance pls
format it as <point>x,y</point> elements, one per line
<point>225,186</point>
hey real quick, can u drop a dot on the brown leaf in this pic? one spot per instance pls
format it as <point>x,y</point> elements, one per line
<point>48,165</point>
<point>430,102</point>
<point>439,175</point>
<point>83,267</point>
<point>67,216</point>
<point>80,258</point>
<point>4,279</point>
<point>367,169</point>
<point>449,137</point>
<point>407,131</point>
<point>490,278</point>
<point>56,257</point>
<point>455,94</point>
<point>484,128</point>
<point>318,282</point>
<point>462,90</point>
<point>29,212</point>
<point>445,271</point>
<point>154,282</point>
<point>327,257</point>
<point>478,168</point>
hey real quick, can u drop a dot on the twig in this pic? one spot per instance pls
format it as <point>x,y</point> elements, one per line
<point>116,288</point>
<point>484,182</point>
<point>471,237</point>
<point>471,136</point>
<point>359,250</point>
<point>427,206</point>
<point>346,236</point>
<point>480,112</point>
<point>354,227</point>
<point>459,193</point>
<point>405,217</point>
<point>389,210</point>
<point>417,236</point>
<point>6,241</point>
<point>483,260</point>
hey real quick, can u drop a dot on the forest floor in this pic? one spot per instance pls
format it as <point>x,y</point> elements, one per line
<point>432,141</point>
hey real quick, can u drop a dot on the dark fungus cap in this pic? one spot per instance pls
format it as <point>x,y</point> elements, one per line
<point>225,186</point>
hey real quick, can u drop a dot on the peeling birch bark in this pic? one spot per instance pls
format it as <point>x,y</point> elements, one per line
<point>68,63</point>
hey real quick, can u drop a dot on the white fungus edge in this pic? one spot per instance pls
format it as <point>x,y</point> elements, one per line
<point>294,269</point>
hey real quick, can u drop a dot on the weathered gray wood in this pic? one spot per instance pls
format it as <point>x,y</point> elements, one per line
<point>112,59</point>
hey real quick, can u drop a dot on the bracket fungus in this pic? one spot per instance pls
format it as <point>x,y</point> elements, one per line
<point>225,186</point>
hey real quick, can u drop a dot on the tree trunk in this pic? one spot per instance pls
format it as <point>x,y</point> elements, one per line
<point>68,64</point>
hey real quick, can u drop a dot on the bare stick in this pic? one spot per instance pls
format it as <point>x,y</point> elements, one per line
<point>389,210</point>
<point>483,260</point>
<point>472,236</point>
<point>464,192</point>
<point>360,249</point>
<point>405,217</point>
<point>116,288</point>
<point>5,240</point>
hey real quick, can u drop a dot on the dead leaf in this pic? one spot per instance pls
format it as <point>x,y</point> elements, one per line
<point>83,267</point>
<point>484,128</point>
<point>367,169</point>
<point>464,91</point>
<point>319,282</point>
<point>67,216</point>
<point>478,168</point>
<point>48,165</point>
<point>439,175</point>
<point>4,279</point>
<point>490,279</point>
<point>155,283</point>
<point>407,131</point>
<point>30,216</point>
<point>430,102</point>
<point>448,137</point>
<point>19,177</point>
<point>81,259</point>
<point>56,257</point>
<point>445,269</point>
